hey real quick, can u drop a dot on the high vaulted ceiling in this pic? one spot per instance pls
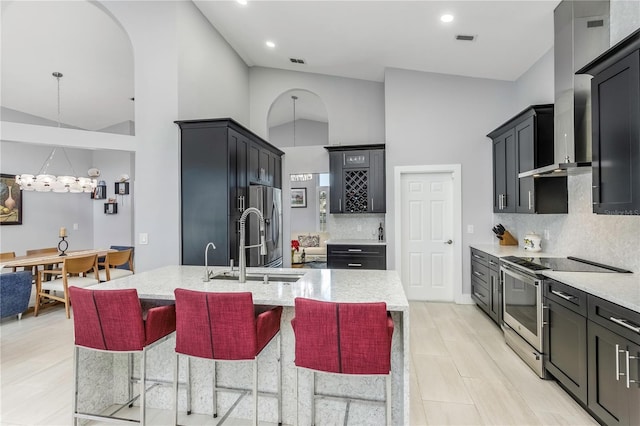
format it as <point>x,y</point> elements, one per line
<point>359,39</point>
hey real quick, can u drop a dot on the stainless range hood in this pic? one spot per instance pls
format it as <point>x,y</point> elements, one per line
<point>581,33</point>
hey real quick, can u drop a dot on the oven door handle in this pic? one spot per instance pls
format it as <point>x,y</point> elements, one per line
<point>526,278</point>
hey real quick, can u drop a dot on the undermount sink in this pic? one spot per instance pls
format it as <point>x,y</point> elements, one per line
<point>279,277</point>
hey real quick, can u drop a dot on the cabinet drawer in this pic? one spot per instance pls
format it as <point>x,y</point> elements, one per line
<point>356,250</point>
<point>616,318</point>
<point>356,262</point>
<point>480,271</point>
<point>567,296</point>
<point>494,263</point>
<point>480,257</point>
<point>480,294</point>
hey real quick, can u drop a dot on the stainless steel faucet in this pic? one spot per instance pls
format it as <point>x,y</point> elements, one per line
<point>242,256</point>
<point>206,261</point>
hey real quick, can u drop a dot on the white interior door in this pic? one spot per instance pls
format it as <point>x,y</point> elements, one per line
<point>426,235</point>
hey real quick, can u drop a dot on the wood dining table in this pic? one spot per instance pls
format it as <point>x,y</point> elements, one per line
<point>29,261</point>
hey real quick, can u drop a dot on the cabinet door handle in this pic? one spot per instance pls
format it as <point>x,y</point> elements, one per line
<point>625,324</point>
<point>530,205</point>
<point>564,296</point>
<point>480,274</point>
<point>355,250</point>
<point>500,202</point>
<point>504,201</point>
<point>628,357</point>
<point>339,204</point>
<point>618,373</point>
<point>354,265</point>
<point>344,159</point>
<point>595,194</point>
<point>477,256</point>
<point>371,203</point>
<point>492,263</point>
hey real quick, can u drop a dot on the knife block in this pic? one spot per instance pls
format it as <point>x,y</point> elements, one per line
<point>508,240</point>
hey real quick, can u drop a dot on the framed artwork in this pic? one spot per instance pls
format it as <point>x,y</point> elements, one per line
<point>10,200</point>
<point>298,197</point>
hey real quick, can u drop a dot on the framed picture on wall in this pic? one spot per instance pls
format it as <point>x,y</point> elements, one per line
<point>10,200</point>
<point>298,197</point>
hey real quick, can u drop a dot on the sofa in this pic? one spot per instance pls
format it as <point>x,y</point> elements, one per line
<point>15,291</point>
<point>314,245</point>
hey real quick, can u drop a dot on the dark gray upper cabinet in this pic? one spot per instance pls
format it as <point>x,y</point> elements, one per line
<point>357,179</point>
<point>263,166</point>
<point>615,98</point>
<point>215,174</point>
<point>523,143</point>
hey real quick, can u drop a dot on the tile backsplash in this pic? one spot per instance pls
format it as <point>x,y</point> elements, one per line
<point>355,226</point>
<point>612,240</point>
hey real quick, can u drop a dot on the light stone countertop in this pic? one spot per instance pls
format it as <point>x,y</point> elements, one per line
<point>621,289</point>
<point>335,285</point>
<point>356,242</point>
<point>502,251</point>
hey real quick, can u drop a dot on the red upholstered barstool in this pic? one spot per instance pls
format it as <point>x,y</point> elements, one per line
<point>345,339</point>
<point>112,321</point>
<point>226,327</point>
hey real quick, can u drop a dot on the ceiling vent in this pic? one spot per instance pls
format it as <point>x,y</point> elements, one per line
<point>297,61</point>
<point>462,37</point>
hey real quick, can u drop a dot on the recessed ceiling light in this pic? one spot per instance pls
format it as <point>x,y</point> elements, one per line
<point>446,18</point>
<point>270,44</point>
<point>242,2</point>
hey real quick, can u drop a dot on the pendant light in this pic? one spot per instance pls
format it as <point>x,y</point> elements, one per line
<point>44,182</point>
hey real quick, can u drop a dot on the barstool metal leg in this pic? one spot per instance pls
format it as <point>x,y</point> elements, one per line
<point>176,377</point>
<point>130,373</point>
<point>255,391</point>
<point>188,385</point>
<point>279,355</point>
<point>388,407</point>
<point>143,385</point>
<point>75,383</point>
<point>215,401</point>
<point>313,398</point>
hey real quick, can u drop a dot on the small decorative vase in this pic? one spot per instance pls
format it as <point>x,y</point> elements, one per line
<point>10,203</point>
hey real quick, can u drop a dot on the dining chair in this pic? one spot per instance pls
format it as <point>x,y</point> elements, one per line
<point>343,339</point>
<point>113,321</point>
<point>226,327</point>
<point>43,251</point>
<point>80,271</point>
<point>8,255</point>
<point>111,264</point>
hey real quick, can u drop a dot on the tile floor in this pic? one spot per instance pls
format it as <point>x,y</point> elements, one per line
<point>462,373</point>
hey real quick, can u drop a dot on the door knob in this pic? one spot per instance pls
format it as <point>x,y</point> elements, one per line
<point>449,242</point>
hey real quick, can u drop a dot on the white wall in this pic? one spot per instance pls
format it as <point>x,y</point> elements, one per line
<point>213,81</point>
<point>355,108</point>
<point>305,218</point>
<point>308,132</point>
<point>442,119</point>
<point>45,212</point>
<point>114,229</point>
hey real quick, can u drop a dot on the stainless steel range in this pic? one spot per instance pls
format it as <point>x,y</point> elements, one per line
<point>522,301</point>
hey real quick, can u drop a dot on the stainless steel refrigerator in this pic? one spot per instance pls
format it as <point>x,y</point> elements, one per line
<point>269,201</point>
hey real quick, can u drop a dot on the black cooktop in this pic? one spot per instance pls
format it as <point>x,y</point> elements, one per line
<point>565,264</point>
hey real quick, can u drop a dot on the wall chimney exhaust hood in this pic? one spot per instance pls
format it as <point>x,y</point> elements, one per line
<point>581,33</point>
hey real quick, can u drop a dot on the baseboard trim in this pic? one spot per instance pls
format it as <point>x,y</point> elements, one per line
<point>465,299</point>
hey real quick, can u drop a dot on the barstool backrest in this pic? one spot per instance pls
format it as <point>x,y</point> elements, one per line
<point>218,326</point>
<point>107,319</point>
<point>348,338</point>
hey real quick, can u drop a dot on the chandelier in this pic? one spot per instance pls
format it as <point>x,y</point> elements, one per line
<point>44,182</point>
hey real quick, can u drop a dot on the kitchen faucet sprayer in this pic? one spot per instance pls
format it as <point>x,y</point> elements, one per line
<point>206,261</point>
<point>242,256</point>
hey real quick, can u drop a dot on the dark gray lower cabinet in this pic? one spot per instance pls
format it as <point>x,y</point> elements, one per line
<point>356,256</point>
<point>486,287</point>
<point>614,358</point>
<point>565,337</point>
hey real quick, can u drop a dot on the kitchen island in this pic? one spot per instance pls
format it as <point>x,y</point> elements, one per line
<point>107,377</point>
